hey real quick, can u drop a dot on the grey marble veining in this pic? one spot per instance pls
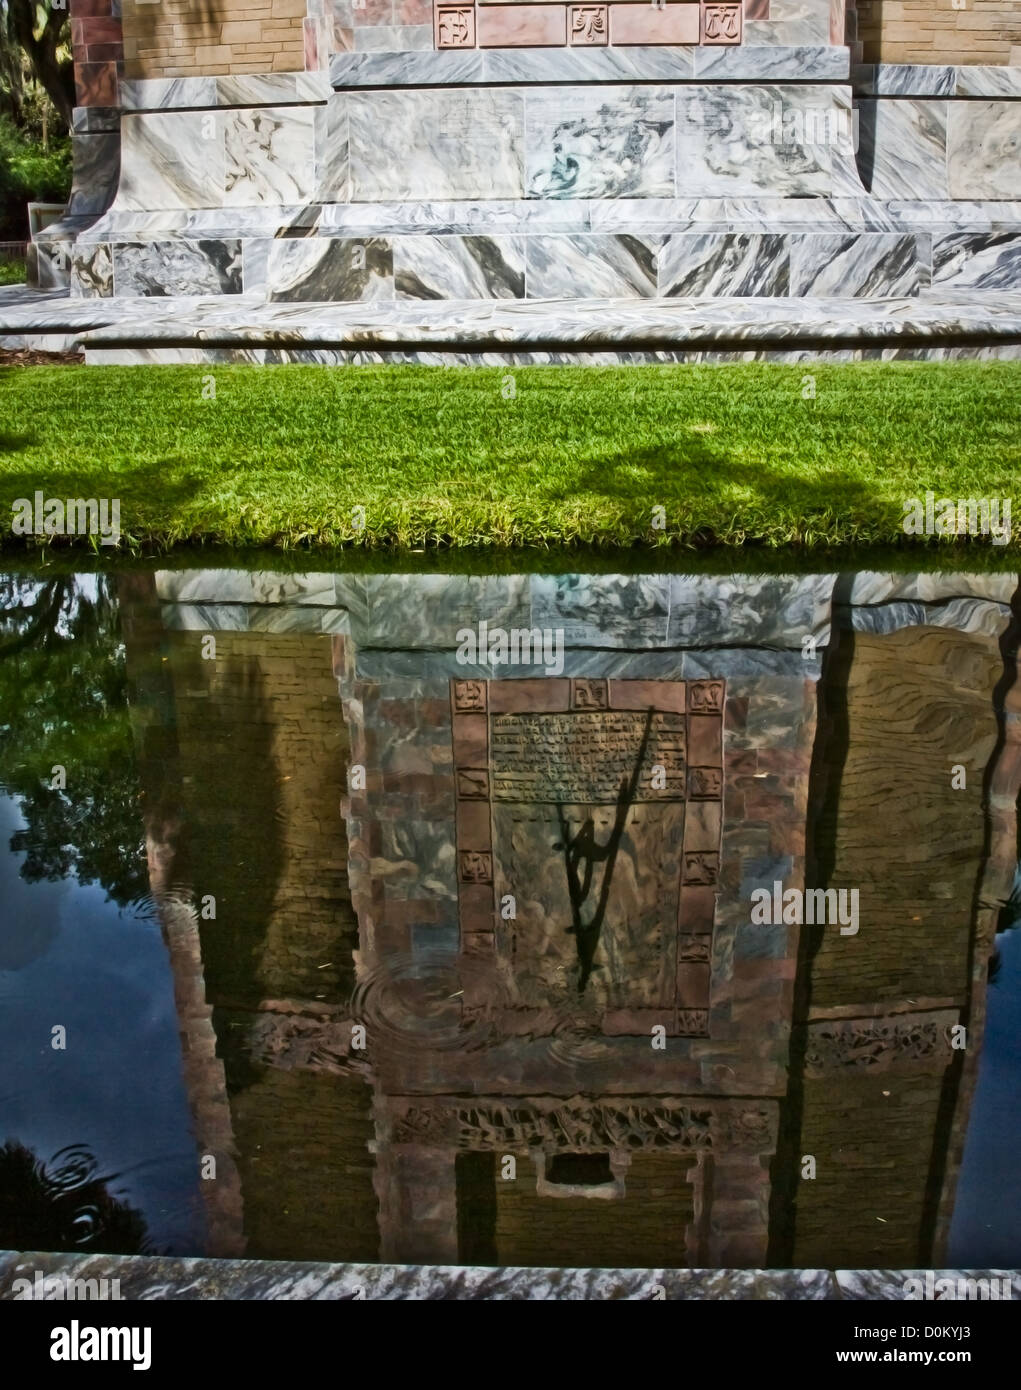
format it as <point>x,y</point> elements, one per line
<point>163,1277</point>
<point>170,268</point>
<point>97,166</point>
<point>961,614</point>
<point>446,67</point>
<point>329,269</point>
<point>711,263</point>
<point>867,264</point>
<point>754,141</point>
<point>166,93</point>
<point>567,267</point>
<point>902,148</point>
<point>886,1284</point>
<point>466,218</point>
<point>211,586</point>
<point>905,79</point>
<point>389,38</point>
<point>95,120</point>
<point>235,89</point>
<point>92,271</point>
<point>600,143</point>
<point>984,149</point>
<point>459,267</point>
<point>588,323</point>
<point>982,81</point>
<point>981,261</point>
<point>331,137</point>
<point>173,159</point>
<point>771,63</point>
<point>883,586</point>
<point>269,156</point>
<point>596,64</point>
<point>436,145</point>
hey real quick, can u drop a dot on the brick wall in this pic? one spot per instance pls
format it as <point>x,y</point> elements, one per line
<point>646,1227</point>
<point>933,31</point>
<point>201,38</point>
<point>96,42</point>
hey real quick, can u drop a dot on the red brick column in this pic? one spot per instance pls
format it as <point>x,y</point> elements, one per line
<point>98,45</point>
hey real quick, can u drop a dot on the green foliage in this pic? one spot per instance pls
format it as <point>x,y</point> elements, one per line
<point>439,457</point>
<point>29,173</point>
<point>64,702</point>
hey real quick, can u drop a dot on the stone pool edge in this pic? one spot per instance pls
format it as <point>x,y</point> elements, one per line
<point>162,1277</point>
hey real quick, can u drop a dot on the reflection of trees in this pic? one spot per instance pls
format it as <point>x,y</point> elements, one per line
<point>63,701</point>
<point>64,1204</point>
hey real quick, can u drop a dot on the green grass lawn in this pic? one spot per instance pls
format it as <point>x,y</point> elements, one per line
<point>734,456</point>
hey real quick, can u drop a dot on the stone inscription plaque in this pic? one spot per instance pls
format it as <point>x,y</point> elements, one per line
<point>585,756</point>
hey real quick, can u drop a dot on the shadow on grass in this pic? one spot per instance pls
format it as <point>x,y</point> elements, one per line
<point>810,493</point>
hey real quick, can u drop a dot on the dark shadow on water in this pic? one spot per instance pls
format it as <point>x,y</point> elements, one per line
<point>64,1204</point>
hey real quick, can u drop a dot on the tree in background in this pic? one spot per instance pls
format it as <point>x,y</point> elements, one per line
<point>35,46</point>
<point>36,100</point>
<point>63,700</point>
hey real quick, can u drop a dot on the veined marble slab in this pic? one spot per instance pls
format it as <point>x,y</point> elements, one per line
<point>756,141</point>
<point>905,79</point>
<point>902,149</point>
<point>579,323</point>
<point>467,217</point>
<point>564,267</point>
<point>238,89</point>
<point>615,142</point>
<point>981,261</point>
<point>97,164</point>
<point>92,271</point>
<point>681,63</point>
<point>698,265</point>
<point>172,159</point>
<point>171,268</point>
<point>331,133</point>
<point>270,156</point>
<point>781,62</point>
<point>870,264</point>
<point>436,145</point>
<point>982,81</point>
<point>95,120</point>
<point>984,149</point>
<point>459,267</point>
<point>322,270</point>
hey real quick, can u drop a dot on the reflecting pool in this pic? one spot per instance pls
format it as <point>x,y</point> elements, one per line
<point>648,920</point>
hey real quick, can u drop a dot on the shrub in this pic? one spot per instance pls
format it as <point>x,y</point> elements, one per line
<point>29,173</point>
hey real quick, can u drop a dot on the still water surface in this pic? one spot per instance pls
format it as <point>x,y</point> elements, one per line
<point>473,918</point>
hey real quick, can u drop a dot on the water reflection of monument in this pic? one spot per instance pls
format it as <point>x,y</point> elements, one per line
<point>519,836</point>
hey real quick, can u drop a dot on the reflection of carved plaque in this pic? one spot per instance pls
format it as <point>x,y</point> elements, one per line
<point>588,24</point>
<point>455,26</point>
<point>722,23</point>
<point>584,756</point>
<point>705,783</point>
<point>473,783</point>
<point>576,803</point>
<point>469,695</point>
<point>701,867</point>
<point>476,867</point>
<point>589,694</point>
<point>705,697</point>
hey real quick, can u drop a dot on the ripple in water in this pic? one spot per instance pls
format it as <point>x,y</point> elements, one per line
<point>432,1000</point>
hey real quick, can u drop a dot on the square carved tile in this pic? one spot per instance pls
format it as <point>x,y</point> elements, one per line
<point>587,25</point>
<point>455,26</point>
<point>723,22</point>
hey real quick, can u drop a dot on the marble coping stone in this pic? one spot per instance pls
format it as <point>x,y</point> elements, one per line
<point>495,217</point>
<point>95,120</point>
<point>144,1278</point>
<point>513,66</point>
<point>238,321</point>
<point>935,80</point>
<point>241,89</point>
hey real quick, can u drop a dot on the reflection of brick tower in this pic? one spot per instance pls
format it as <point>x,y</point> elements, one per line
<point>581,899</point>
<point>482,785</point>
